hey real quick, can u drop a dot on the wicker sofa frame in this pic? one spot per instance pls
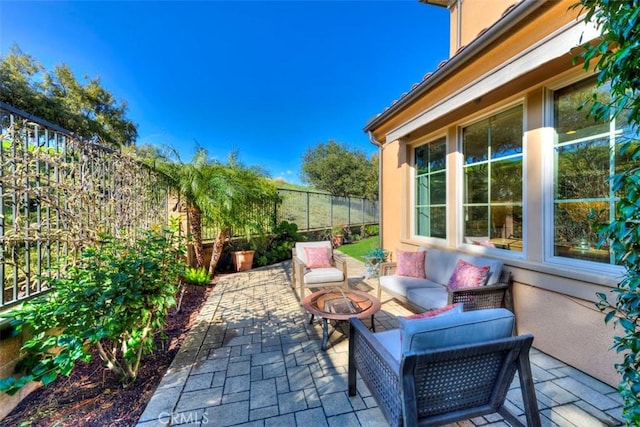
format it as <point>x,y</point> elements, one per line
<point>442,386</point>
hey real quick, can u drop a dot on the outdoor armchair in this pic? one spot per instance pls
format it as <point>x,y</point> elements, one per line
<point>316,266</point>
<point>444,369</point>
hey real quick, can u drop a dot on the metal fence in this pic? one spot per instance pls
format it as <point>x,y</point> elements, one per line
<point>58,192</point>
<point>313,210</point>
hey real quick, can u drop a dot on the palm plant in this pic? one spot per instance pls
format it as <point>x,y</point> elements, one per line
<point>222,195</point>
<point>238,193</point>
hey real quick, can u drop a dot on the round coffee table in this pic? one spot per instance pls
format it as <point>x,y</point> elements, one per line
<point>338,305</point>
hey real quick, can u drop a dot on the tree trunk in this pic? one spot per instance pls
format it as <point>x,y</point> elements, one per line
<point>216,251</point>
<point>194,216</point>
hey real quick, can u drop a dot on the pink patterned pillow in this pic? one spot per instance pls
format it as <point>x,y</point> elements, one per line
<point>486,243</point>
<point>447,309</point>
<point>317,257</point>
<point>410,264</point>
<point>467,275</point>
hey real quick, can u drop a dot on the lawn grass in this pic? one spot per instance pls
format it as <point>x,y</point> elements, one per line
<point>360,248</point>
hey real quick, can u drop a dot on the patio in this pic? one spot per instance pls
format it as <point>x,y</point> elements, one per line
<point>254,360</point>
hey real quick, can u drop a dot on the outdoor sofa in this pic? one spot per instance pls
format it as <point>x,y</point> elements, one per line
<point>435,289</point>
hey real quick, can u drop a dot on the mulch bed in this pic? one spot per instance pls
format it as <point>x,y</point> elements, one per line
<point>92,396</point>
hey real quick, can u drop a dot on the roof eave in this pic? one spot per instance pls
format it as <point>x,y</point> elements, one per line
<point>510,19</point>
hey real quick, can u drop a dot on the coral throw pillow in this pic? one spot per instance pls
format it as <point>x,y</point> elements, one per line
<point>467,275</point>
<point>410,264</point>
<point>317,257</point>
<point>447,309</point>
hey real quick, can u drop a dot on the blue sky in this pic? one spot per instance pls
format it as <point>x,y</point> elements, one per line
<point>269,78</point>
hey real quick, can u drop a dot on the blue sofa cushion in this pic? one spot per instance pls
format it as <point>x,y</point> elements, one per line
<point>428,298</point>
<point>455,329</point>
<point>402,284</point>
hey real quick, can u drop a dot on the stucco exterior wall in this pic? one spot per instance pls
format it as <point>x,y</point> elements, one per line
<point>570,329</point>
<point>393,191</point>
<point>474,16</point>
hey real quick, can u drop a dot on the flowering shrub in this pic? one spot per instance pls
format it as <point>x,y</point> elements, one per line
<point>115,299</point>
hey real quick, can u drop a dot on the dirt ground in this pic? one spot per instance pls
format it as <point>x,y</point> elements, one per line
<point>92,396</point>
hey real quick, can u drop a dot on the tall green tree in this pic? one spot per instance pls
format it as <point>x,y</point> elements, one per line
<point>615,57</point>
<point>87,109</point>
<point>341,171</point>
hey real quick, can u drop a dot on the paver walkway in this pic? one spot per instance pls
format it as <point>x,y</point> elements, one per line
<point>253,360</point>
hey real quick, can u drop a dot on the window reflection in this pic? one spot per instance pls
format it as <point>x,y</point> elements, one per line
<point>492,150</point>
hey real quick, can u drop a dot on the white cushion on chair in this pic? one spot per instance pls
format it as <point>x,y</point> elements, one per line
<point>323,275</point>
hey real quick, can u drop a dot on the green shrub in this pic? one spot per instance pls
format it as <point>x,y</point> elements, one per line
<point>197,276</point>
<point>115,299</point>
<point>371,230</point>
<point>277,246</point>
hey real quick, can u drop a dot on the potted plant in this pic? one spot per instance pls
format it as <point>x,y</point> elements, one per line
<point>337,236</point>
<point>242,260</point>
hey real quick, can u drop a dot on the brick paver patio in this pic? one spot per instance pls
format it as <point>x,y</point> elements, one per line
<point>254,360</point>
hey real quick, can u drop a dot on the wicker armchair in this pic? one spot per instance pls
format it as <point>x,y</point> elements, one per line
<point>493,296</point>
<point>442,385</point>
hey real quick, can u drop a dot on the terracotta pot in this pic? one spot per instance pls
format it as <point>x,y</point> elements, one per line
<point>242,260</point>
<point>337,239</point>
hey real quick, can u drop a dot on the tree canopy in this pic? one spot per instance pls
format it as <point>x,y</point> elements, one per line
<point>88,109</point>
<point>341,171</point>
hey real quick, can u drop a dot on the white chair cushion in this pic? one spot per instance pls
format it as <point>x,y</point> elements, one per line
<point>322,275</point>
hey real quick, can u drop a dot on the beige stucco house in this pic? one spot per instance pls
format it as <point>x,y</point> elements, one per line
<point>489,155</point>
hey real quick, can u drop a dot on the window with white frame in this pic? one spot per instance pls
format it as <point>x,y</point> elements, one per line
<point>492,169</point>
<point>585,157</point>
<point>431,189</point>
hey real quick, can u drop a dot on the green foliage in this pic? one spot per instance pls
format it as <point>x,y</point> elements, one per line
<point>277,246</point>
<point>115,299</point>
<point>616,55</point>
<point>370,230</point>
<point>335,168</point>
<point>86,109</point>
<point>623,234</point>
<point>230,197</point>
<point>197,276</point>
